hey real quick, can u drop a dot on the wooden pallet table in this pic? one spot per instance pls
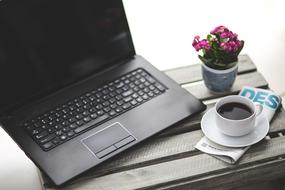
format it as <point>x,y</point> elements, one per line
<point>169,160</point>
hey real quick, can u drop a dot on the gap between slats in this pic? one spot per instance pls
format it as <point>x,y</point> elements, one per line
<point>190,167</point>
<point>158,151</point>
<point>253,79</point>
<point>142,154</point>
<point>192,73</point>
<point>119,164</point>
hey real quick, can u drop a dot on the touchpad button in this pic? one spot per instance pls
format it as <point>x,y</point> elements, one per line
<point>106,141</point>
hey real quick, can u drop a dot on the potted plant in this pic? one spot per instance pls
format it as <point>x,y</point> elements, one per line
<point>219,55</point>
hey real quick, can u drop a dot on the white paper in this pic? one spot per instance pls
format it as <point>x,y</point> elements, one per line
<point>270,102</point>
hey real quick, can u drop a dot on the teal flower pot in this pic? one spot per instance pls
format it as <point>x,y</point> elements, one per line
<point>219,81</point>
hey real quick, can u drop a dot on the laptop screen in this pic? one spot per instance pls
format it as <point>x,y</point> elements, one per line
<point>48,44</point>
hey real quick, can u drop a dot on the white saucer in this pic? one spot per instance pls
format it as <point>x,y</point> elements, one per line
<point>211,131</point>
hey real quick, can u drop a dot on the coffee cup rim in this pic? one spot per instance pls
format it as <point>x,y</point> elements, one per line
<point>237,120</point>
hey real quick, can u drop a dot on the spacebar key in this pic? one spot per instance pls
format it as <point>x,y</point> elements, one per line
<point>94,122</point>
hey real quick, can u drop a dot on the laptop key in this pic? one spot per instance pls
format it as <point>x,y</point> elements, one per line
<point>86,119</point>
<point>134,102</point>
<point>100,112</point>
<point>160,87</point>
<point>92,110</point>
<point>59,133</point>
<point>63,137</point>
<point>127,93</point>
<point>121,84</point>
<point>119,103</point>
<point>97,120</point>
<point>48,145</point>
<point>66,121</point>
<point>65,129</point>
<point>85,113</point>
<point>37,124</point>
<point>80,122</point>
<point>139,99</point>
<point>51,130</point>
<point>127,99</point>
<point>145,97</point>
<point>73,126</point>
<point>47,139</point>
<point>112,113</point>
<point>35,132</point>
<point>72,120</point>
<point>150,79</point>
<point>56,140</point>
<point>150,94</point>
<point>107,109</point>
<point>70,133</point>
<point>126,106</point>
<point>93,116</point>
<point>41,135</point>
<point>118,110</point>
<point>58,127</point>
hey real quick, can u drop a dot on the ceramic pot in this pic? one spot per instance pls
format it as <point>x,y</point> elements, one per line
<point>219,81</point>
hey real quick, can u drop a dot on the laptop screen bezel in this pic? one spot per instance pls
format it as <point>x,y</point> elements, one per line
<point>4,111</point>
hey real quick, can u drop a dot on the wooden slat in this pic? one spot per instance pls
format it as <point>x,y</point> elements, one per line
<point>150,152</point>
<point>159,150</point>
<point>253,79</point>
<point>192,73</point>
<point>264,185</point>
<point>197,168</point>
<point>240,178</point>
<point>167,149</point>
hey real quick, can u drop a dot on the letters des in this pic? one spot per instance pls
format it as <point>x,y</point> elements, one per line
<point>264,98</point>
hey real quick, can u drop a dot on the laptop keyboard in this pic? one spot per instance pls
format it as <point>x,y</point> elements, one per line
<point>87,111</point>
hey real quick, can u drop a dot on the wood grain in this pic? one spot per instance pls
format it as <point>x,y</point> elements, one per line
<point>183,75</point>
<point>253,79</point>
<point>169,160</point>
<point>158,150</point>
<point>196,171</point>
<point>246,178</point>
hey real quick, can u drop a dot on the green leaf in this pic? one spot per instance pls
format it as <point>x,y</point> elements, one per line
<point>209,37</point>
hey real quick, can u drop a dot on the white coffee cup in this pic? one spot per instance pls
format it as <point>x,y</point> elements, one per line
<point>240,127</point>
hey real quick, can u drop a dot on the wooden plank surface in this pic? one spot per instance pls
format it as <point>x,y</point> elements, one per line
<point>161,150</point>
<point>191,169</point>
<point>253,79</point>
<point>169,160</point>
<point>183,75</point>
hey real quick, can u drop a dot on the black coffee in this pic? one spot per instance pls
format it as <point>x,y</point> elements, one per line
<point>235,111</point>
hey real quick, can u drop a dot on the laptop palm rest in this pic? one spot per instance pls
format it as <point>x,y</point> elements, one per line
<point>108,140</point>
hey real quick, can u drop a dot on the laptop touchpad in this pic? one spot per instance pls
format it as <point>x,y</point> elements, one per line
<point>108,140</point>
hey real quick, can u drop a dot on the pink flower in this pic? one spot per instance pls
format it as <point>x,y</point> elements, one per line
<point>235,36</point>
<point>196,40</point>
<point>219,30</point>
<point>223,44</point>
<point>220,46</point>
<point>224,35</point>
<point>230,46</point>
<point>228,35</point>
<point>198,45</point>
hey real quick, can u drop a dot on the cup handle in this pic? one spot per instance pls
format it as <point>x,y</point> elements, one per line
<point>259,108</point>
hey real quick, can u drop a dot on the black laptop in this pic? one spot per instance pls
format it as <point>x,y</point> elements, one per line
<point>73,91</point>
